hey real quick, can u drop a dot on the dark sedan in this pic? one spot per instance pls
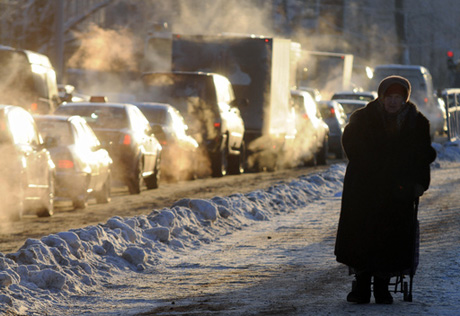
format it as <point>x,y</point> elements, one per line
<point>82,165</point>
<point>125,132</point>
<point>336,118</point>
<point>180,150</point>
<point>27,181</point>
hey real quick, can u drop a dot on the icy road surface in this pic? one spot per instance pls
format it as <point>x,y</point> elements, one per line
<point>266,252</point>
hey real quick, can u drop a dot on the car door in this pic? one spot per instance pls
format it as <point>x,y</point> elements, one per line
<point>34,156</point>
<point>147,142</point>
<point>102,160</point>
<point>230,115</point>
<point>85,143</point>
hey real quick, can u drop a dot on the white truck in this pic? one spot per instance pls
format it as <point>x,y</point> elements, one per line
<point>260,71</point>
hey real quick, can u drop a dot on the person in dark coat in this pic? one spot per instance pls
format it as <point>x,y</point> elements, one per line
<point>388,146</point>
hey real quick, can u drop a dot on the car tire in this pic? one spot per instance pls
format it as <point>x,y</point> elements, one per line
<point>103,196</point>
<point>219,163</point>
<point>236,162</point>
<point>47,209</point>
<point>80,203</point>
<point>321,157</point>
<point>137,180</point>
<point>153,181</point>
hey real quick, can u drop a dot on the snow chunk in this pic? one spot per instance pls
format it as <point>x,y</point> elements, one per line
<point>158,233</point>
<point>134,255</point>
<point>48,278</point>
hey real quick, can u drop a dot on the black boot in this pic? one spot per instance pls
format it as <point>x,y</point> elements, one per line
<point>361,293</point>
<point>381,293</point>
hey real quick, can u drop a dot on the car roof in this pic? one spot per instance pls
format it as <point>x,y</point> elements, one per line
<point>8,107</point>
<point>400,66</point>
<point>353,92</point>
<point>98,104</point>
<point>51,117</point>
<point>157,105</point>
<point>350,101</point>
<point>182,73</point>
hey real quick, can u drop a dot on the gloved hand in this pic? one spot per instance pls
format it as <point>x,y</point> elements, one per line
<point>418,190</point>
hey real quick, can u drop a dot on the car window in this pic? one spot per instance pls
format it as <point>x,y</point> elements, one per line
<point>224,93</point>
<point>326,111</point>
<point>351,107</point>
<point>138,120</point>
<point>178,124</point>
<point>85,135</point>
<point>59,130</point>
<point>298,104</point>
<point>154,115</point>
<point>98,116</point>
<point>23,128</point>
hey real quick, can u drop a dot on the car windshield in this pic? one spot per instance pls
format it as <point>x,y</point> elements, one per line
<point>59,130</point>
<point>186,92</point>
<point>350,107</point>
<point>326,111</point>
<point>98,116</point>
<point>153,114</point>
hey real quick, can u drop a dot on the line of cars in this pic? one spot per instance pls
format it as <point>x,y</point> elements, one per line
<point>74,154</point>
<point>92,144</point>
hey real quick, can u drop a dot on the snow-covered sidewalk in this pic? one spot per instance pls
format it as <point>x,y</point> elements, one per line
<point>74,268</point>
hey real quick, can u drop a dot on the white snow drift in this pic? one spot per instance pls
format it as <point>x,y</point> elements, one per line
<point>46,271</point>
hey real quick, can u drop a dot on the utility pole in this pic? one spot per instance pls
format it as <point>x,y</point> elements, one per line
<point>400,21</point>
<point>59,31</point>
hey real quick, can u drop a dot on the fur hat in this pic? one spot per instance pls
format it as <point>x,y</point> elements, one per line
<point>394,84</point>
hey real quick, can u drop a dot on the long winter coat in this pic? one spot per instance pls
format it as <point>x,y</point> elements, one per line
<point>375,231</point>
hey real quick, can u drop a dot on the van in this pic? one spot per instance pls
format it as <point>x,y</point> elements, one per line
<point>208,104</point>
<point>27,80</point>
<point>423,94</point>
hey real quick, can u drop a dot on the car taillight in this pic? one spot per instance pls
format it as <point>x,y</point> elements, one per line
<point>127,139</point>
<point>65,164</point>
<point>305,116</point>
<point>34,107</point>
<point>332,111</point>
<point>426,100</point>
<point>217,124</point>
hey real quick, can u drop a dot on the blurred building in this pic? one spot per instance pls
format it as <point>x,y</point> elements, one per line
<point>395,31</point>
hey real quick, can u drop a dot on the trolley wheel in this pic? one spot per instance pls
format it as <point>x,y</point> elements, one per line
<point>353,285</point>
<point>407,295</point>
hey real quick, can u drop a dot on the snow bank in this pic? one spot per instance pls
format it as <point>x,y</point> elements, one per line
<point>45,272</point>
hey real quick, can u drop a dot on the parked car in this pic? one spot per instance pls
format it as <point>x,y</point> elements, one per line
<point>335,117</point>
<point>356,94</point>
<point>207,103</point>
<point>82,166</point>
<point>180,150</point>
<point>312,132</point>
<point>126,134</point>
<point>27,182</point>
<point>350,106</point>
<point>442,109</point>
